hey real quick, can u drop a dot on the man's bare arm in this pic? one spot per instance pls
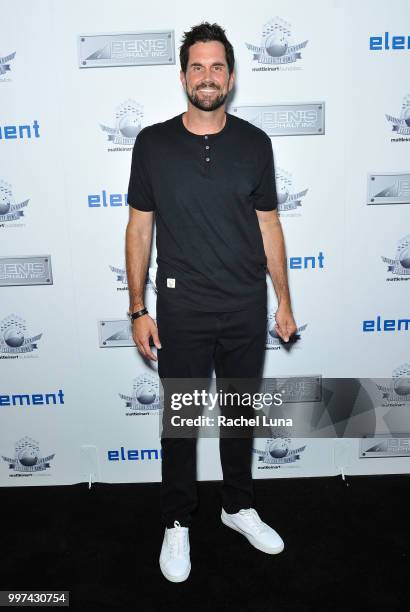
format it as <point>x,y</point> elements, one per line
<point>274,245</point>
<point>138,239</point>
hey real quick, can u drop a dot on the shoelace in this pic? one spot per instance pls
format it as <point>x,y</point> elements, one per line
<point>253,519</point>
<point>176,540</point>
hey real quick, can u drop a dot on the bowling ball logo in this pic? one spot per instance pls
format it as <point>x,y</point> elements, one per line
<point>405,115</point>
<point>14,337</point>
<point>273,333</point>
<point>129,126</point>
<point>278,448</point>
<point>402,386</point>
<point>405,258</point>
<point>4,203</point>
<point>276,44</point>
<point>282,192</point>
<point>28,457</point>
<point>146,394</point>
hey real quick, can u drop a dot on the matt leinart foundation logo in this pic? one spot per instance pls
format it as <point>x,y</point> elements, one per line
<point>401,125</point>
<point>5,66</point>
<point>397,391</point>
<point>27,458</point>
<point>277,49</point>
<point>122,281</point>
<point>289,201</point>
<point>277,452</point>
<point>9,209</point>
<point>128,118</point>
<point>273,341</point>
<point>13,340</point>
<point>145,398</point>
<point>399,267</point>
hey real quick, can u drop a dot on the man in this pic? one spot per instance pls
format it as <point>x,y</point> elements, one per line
<point>209,178</point>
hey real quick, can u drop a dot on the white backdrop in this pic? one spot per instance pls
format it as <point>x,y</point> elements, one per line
<point>75,181</point>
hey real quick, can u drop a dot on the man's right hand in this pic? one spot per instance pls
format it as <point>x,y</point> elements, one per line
<point>142,329</point>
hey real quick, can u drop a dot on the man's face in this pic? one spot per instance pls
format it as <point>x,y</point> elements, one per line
<point>207,81</point>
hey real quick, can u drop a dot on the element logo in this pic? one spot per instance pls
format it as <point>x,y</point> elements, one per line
<point>379,43</point>
<point>401,124</point>
<point>398,392</point>
<point>128,125</point>
<point>277,452</point>
<point>145,396</point>
<point>401,265</point>
<point>12,338</point>
<point>5,66</point>
<point>273,341</point>
<point>134,454</point>
<point>389,325</point>
<point>27,458</point>
<point>9,211</point>
<point>287,201</point>
<point>95,200</point>
<point>276,48</point>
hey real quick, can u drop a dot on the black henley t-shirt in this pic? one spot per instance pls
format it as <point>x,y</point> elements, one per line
<point>204,190</point>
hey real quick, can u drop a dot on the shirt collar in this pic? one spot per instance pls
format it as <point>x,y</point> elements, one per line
<point>201,137</point>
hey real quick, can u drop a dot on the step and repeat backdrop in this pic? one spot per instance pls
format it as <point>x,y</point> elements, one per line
<point>327,80</point>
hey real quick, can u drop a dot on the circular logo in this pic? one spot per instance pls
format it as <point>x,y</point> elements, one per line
<point>405,258</point>
<point>145,395</point>
<point>402,386</point>
<point>278,448</point>
<point>406,115</point>
<point>13,337</point>
<point>283,193</point>
<point>129,126</point>
<point>276,45</point>
<point>28,457</point>
<point>273,333</point>
<point>4,203</point>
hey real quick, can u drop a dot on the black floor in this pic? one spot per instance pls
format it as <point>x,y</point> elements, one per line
<point>346,547</point>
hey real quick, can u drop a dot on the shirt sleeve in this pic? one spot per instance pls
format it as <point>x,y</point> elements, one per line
<point>140,194</point>
<point>265,196</point>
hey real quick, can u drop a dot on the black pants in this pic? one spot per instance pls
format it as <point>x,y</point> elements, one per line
<point>192,343</point>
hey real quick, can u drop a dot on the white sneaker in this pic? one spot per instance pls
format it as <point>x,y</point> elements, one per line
<point>174,559</point>
<point>259,534</point>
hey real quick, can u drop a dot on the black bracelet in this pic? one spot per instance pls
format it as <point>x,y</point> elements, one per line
<point>138,313</point>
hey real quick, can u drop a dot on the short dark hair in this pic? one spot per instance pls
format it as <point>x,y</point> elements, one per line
<point>205,32</point>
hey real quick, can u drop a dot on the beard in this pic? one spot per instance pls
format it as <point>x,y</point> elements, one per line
<point>206,103</point>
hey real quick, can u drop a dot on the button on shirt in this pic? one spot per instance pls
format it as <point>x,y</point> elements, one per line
<point>204,190</point>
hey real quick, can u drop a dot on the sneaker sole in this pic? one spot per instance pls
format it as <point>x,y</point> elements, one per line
<point>265,549</point>
<point>176,578</point>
